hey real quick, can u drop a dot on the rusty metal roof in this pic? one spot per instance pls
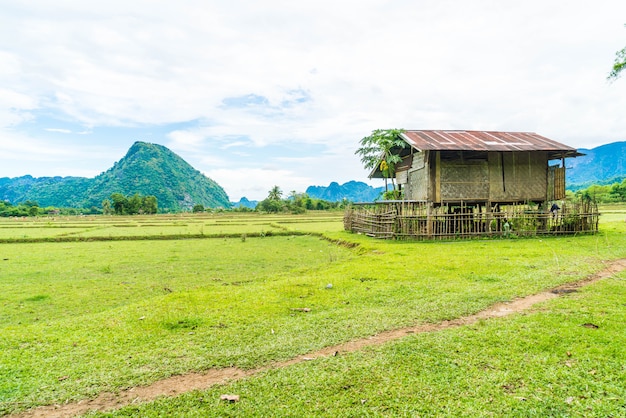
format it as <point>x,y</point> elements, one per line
<point>486,141</point>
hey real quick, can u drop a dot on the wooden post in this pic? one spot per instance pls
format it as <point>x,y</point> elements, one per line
<point>437,176</point>
<point>429,222</point>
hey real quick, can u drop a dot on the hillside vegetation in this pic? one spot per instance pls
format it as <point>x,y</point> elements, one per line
<point>147,169</point>
<point>354,191</point>
<point>602,165</point>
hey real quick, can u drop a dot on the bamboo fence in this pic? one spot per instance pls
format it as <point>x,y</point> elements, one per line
<point>423,220</point>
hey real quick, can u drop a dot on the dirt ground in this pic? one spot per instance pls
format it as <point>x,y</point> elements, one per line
<point>176,385</point>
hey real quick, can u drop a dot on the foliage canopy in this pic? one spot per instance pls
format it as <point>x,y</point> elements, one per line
<point>133,205</point>
<point>619,64</point>
<point>608,193</point>
<point>295,203</point>
<point>381,150</point>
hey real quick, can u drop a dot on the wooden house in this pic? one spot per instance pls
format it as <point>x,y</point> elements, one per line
<point>481,167</point>
<point>468,183</point>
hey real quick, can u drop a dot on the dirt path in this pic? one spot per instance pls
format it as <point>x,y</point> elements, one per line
<point>176,385</point>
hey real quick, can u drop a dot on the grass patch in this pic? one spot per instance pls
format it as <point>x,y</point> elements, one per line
<point>544,363</point>
<point>37,298</point>
<point>129,312</point>
<point>182,323</point>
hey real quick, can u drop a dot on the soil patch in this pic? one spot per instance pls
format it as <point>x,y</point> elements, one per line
<point>177,385</point>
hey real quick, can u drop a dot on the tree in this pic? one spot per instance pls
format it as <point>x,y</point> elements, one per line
<point>381,150</point>
<point>149,204</point>
<point>618,191</point>
<point>275,193</point>
<point>106,207</point>
<point>33,210</point>
<point>273,202</point>
<point>296,202</point>
<point>120,203</point>
<point>618,65</point>
<point>270,205</point>
<point>134,204</point>
<point>198,208</point>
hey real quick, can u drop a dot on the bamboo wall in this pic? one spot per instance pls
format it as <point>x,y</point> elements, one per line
<point>556,183</point>
<point>518,176</point>
<point>464,180</point>
<point>481,176</point>
<point>421,220</point>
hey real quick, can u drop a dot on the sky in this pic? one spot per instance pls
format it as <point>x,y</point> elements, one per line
<point>256,94</point>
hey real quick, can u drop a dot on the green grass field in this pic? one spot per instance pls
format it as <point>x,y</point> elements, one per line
<point>162,226</point>
<point>80,317</point>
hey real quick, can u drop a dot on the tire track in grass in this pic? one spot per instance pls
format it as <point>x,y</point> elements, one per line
<point>177,385</point>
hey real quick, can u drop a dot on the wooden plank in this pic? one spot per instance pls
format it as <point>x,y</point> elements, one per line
<point>437,177</point>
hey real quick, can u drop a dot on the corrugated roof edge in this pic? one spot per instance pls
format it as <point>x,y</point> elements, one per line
<point>463,140</point>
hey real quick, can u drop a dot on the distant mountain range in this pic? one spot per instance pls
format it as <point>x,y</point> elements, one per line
<point>147,169</point>
<point>354,191</point>
<point>245,203</point>
<point>605,164</point>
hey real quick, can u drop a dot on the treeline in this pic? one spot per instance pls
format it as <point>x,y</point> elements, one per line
<point>294,203</point>
<point>31,208</point>
<point>118,205</point>
<point>130,205</point>
<point>611,193</point>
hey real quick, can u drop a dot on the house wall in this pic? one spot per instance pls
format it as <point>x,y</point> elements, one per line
<point>417,178</point>
<point>556,183</point>
<point>464,179</point>
<point>488,176</point>
<point>517,176</point>
<point>402,171</point>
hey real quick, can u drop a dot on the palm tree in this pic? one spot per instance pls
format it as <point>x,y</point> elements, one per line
<point>275,193</point>
<point>380,150</point>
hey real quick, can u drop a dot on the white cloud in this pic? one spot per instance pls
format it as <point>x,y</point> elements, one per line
<point>255,183</point>
<point>187,138</point>
<point>313,72</point>
<point>22,155</point>
<point>59,130</point>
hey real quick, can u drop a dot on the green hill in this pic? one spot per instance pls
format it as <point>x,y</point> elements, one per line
<point>605,164</point>
<point>147,169</point>
<point>354,191</point>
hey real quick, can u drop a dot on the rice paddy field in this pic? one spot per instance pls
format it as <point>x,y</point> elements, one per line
<point>94,305</point>
<point>164,226</point>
